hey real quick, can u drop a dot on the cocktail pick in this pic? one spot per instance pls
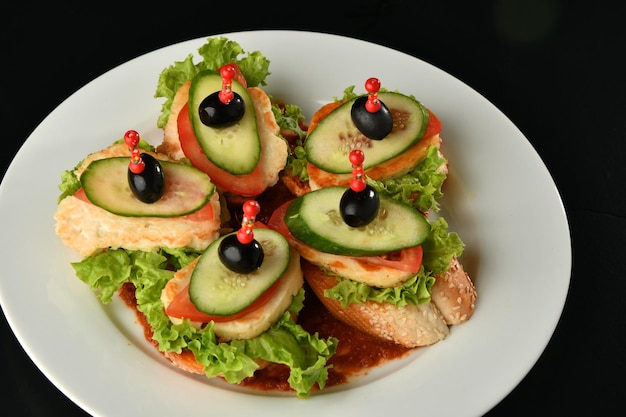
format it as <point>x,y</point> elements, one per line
<point>226,94</point>
<point>146,178</point>
<point>225,107</point>
<point>359,204</point>
<point>241,252</point>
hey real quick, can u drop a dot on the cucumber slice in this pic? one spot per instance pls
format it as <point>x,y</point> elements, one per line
<point>236,148</point>
<point>335,136</point>
<point>314,219</point>
<point>105,181</point>
<point>214,289</point>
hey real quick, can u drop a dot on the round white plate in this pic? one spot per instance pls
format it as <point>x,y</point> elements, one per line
<point>499,197</point>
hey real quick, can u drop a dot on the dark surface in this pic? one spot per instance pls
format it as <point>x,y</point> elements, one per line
<point>555,68</point>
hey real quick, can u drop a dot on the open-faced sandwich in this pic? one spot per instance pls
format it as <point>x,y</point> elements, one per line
<point>99,211</point>
<point>377,262</point>
<point>406,164</point>
<point>243,152</point>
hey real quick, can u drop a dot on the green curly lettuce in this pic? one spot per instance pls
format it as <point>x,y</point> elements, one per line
<point>215,53</point>
<point>289,118</point>
<point>421,187</point>
<point>285,342</point>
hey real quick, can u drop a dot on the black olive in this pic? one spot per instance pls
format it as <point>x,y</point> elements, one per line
<point>148,185</point>
<point>242,258</point>
<point>376,125</point>
<point>359,208</point>
<point>214,113</point>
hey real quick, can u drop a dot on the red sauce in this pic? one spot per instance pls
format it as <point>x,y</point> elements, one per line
<point>357,352</point>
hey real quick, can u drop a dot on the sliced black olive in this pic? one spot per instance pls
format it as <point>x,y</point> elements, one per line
<point>359,208</point>
<point>148,185</point>
<point>376,125</point>
<point>214,113</point>
<point>242,258</point>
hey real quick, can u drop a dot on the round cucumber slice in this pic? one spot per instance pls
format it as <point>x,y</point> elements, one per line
<point>214,289</point>
<point>105,181</point>
<point>235,148</point>
<point>314,219</point>
<point>336,135</point>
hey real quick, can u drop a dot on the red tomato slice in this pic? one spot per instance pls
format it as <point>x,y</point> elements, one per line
<point>434,125</point>
<point>409,259</point>
<point>251,184</point>
<point>204,214</point>
<point>182,307</point>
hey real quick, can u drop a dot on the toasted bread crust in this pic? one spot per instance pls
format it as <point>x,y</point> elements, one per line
<point>409,326</point>
<point>296,186</point>
<point>454,294</point>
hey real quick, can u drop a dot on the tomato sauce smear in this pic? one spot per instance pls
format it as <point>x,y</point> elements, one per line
<point>356,354</point>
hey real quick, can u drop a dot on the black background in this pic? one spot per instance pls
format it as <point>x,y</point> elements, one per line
<point>555,68</point>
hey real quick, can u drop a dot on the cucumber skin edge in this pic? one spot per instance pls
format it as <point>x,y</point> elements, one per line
<point>301,231</point>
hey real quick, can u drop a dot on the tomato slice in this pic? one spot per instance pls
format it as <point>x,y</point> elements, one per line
<point>182,307</point>
<point>249,185</point>
<point>409,259</point>
<point>434,125</point>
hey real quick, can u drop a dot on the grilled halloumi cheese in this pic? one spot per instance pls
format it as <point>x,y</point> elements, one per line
<point>274,149</point>
<point>255,322</point>
<point>88,229</point>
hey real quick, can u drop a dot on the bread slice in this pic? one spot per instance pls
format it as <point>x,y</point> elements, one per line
<point>454,294</point>
<point>453,298</point>
<point>87,228</point>
<point>410,326</point>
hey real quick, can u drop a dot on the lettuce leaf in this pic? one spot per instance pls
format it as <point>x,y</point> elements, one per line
<point>420,187</point>
<point>414,291</point>
<point>288,117</point>
<point>441,246</point>
<point>286,342</point>
<point>215,53</point>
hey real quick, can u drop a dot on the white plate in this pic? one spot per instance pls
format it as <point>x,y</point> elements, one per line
<point>500,198</point>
